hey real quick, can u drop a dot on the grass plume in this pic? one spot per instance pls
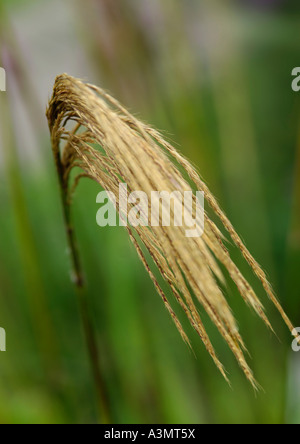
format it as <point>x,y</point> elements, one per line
<point>110,146</point>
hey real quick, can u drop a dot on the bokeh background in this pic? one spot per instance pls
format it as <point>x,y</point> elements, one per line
<point>215,76</point>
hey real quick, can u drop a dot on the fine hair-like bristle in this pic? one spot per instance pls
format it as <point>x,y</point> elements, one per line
<point>110,146</point>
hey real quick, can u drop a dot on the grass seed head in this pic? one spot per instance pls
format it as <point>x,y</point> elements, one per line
<point>110,146</point>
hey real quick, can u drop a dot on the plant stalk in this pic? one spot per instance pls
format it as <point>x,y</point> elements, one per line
<point>78,276</point>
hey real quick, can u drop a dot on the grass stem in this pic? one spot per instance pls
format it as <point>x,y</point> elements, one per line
<point>89,331</point>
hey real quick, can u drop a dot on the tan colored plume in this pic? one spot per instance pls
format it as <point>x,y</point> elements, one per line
<point>111,146</point>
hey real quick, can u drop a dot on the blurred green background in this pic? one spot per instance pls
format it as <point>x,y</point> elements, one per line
<point>215,76</point>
